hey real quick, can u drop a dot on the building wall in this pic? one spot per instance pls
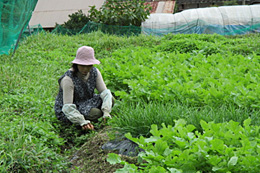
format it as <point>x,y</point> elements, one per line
<point>48,13</point>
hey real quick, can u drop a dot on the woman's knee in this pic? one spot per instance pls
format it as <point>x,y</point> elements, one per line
<point>95,114</point>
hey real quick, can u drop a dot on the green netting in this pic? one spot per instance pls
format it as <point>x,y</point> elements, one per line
<point>32,29</point>
<point>14,15</point>
<point>111,29</point>
<point>92,27</point>
<point>59,29</point>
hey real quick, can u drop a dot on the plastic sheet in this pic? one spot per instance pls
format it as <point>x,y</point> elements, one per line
<point>225,20</point>
<point>124,147</point>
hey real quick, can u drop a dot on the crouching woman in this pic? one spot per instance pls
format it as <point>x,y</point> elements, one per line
<point>76,102</point>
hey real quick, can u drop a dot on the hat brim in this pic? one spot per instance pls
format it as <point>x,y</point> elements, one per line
<point>92,62</point>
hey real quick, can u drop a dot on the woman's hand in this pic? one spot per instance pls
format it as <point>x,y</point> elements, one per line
<point>105,118</point>
<point>88,126</point>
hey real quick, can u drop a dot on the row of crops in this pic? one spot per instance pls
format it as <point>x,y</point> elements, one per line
<point>191,101</point>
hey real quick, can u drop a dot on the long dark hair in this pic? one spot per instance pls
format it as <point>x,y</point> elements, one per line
<point>75,69</point>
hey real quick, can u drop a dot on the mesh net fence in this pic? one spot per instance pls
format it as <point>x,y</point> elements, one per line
<point>31,30</point>
<point>92,27</point>
<point>111,29</point>
<point>14,15</point>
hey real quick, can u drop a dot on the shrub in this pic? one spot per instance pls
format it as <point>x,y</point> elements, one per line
<point>118,12</point>
<point>76,21</point>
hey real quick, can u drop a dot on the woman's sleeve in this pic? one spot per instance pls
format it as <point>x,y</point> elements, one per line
<point>74,115</point>
<point>100,84</point>
<point>69,109</point>
<point>105,95</point>
<point>68,90</point>
<point>106,107</point>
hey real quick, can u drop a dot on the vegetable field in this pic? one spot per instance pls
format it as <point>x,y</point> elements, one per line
<point>190,101</point>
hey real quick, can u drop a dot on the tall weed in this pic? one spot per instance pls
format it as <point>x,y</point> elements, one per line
<point>137,118</point>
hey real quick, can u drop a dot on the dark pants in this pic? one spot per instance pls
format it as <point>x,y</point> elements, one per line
<point>96,113</point>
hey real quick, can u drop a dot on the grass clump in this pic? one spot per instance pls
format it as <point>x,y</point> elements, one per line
<point>137,118</point>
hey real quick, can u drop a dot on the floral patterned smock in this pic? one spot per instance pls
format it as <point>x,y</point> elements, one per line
<point>84,97</point>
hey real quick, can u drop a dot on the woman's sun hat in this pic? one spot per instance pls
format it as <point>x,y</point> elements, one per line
<point>85,56</point>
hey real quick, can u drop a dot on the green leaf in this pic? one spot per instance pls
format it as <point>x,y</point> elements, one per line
<point>129,168</point>
<point>180,142</point>
<point>129,136</point>
<point>190,127</point>
<point>154,130</point>
<point>174,170</point>
<point>247,122</point>
<point>152,139</point>
<point>233,161</point>
<point>191,136</point>
<point>160,147</point>
<point>156,169</point>
<point>216,168</point>
<point>204,125</point>
<point>167,152</point>
<point>218,145</point>
<point>113,158</point>
<point>180,123</point>
<point>214,160</point>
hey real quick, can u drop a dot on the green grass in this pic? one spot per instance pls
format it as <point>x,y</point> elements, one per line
<point>31,138</point>
<point>28,144</point>
<point>137,118</point>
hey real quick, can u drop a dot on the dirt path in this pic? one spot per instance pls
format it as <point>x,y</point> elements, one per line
<point>91,158</point>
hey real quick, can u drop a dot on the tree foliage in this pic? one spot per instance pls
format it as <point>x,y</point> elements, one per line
<point>232,2</point>
<point>76,21</point>
<point>119,12</point>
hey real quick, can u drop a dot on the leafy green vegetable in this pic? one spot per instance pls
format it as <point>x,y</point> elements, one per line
<point>182,148</point>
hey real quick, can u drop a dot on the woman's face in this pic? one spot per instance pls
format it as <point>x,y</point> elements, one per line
<point>84,69</point>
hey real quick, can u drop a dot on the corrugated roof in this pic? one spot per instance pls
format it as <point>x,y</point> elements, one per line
<point>49,12</point>
<point>162,6</point>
